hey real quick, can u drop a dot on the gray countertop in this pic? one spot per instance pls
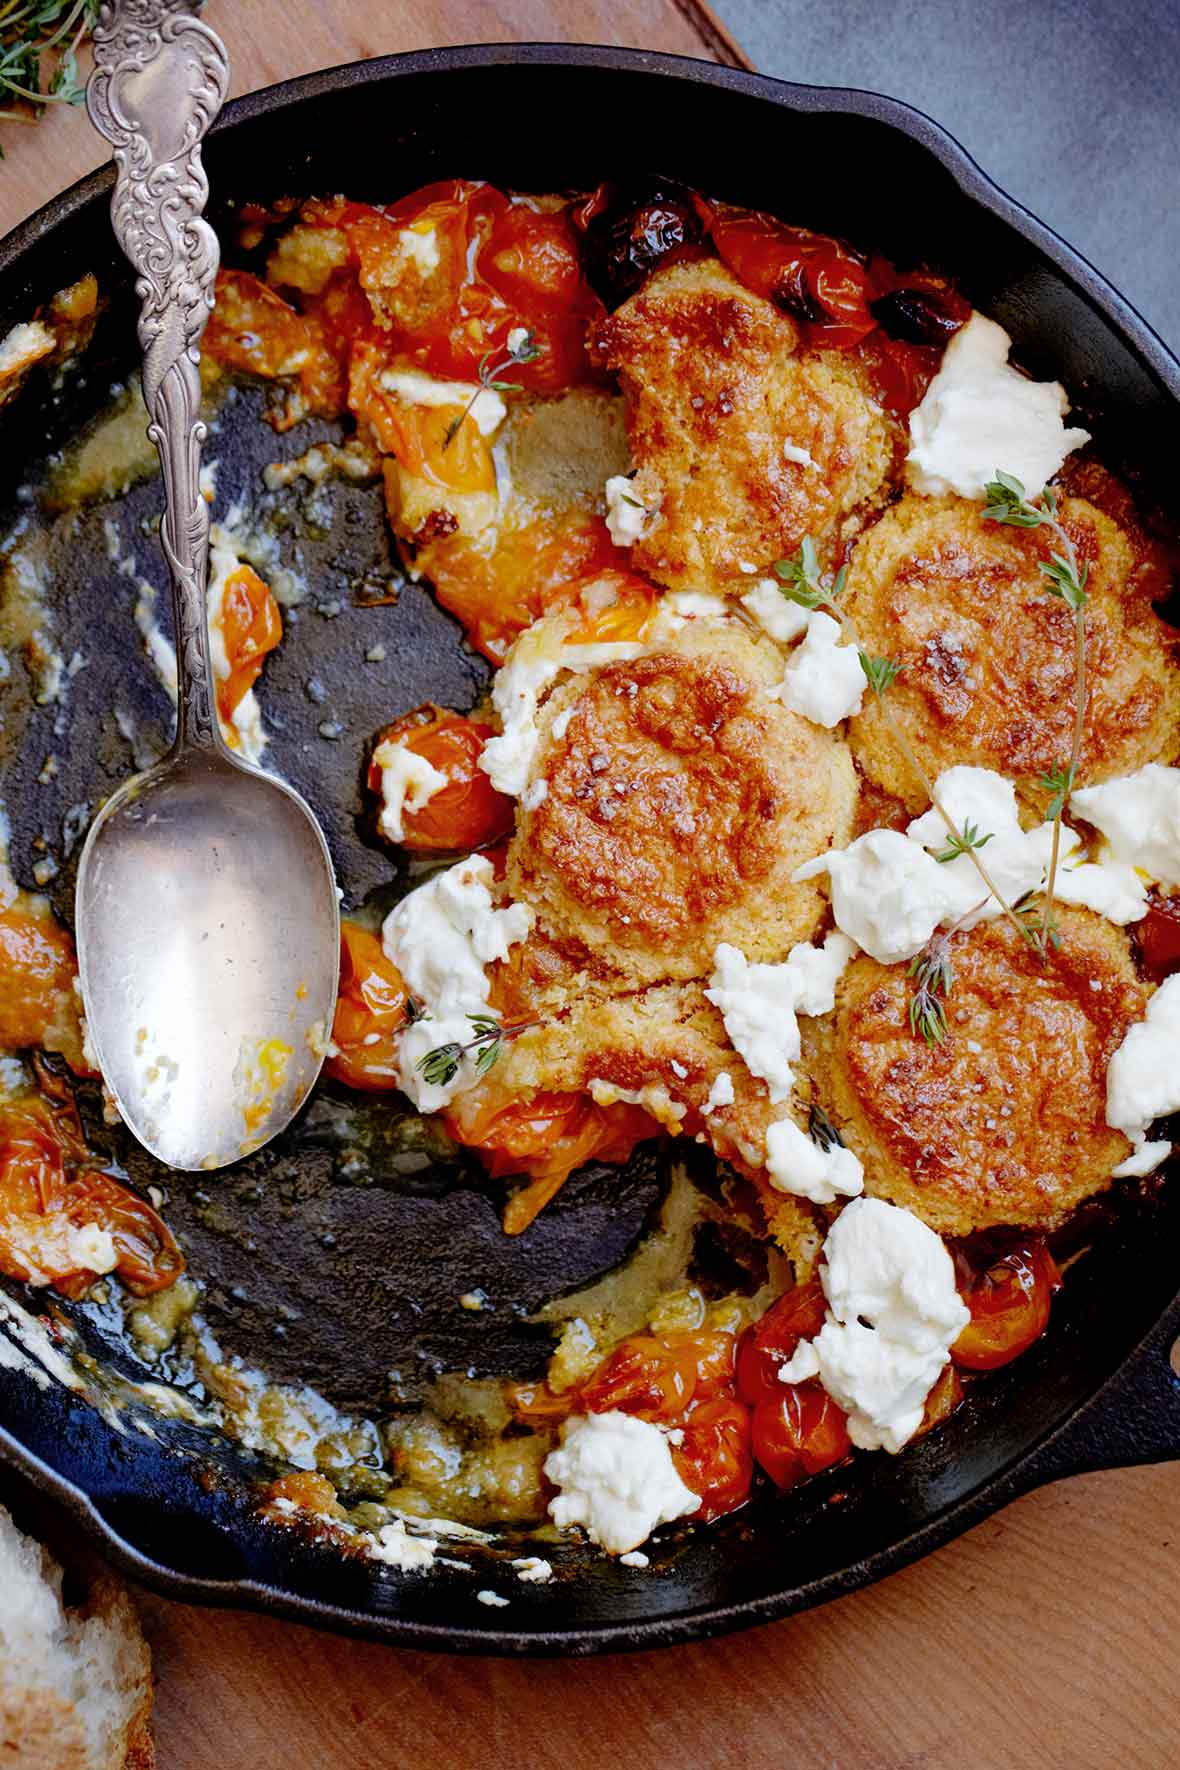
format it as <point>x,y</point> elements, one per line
<point>1073,106</point>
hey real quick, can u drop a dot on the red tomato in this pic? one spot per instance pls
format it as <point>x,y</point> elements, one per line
<point>468,812</point>
<point>714,1458</point>
<point>1009,1306</point>
<point>250,627</point>
<point>799,1432</point>
<point>797,1315</point>
<point>811,276</point>
<point>370,1012</point>
<point>1157,937</point>
<point>48,1189</point>
<point>898,373</point>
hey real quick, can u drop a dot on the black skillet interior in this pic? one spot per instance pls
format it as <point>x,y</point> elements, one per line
<point>335,1257</point>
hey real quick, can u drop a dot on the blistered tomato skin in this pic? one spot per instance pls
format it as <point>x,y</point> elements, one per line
<point>251,626</point>
<point>799,1433</point>
<point>468,812</point>
<point>815,279</point>
<point>714,1458</point>
<point>1010,1304</point>
<point>370,1012</point>
<point>630,229</point>
<point>764,1348</point>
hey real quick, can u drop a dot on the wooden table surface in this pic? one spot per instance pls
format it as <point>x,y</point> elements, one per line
<point>1047,1637</point>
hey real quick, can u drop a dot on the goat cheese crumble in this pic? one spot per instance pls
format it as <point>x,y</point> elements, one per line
<point>823,680</point>
<point>616,1479</point>
<point>441,937</point>
<point>979,414</point>
<point>1139,816</point>
<point>759,1003</point>
<point>796,1163</point>
<point>893,1315</point>
<point>626,515</point>
<point>1143,1079</point>
<point>408,782</point>
<point>775,613</point>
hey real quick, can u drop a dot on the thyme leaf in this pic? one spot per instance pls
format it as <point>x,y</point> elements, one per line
<point>963,842</point>
<point>525,350</point>
<point>934,977</point>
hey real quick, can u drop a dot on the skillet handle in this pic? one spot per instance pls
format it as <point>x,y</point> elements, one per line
<point>1133,1419</point>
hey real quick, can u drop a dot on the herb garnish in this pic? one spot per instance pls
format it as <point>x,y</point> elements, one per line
<point>441,1065</point>
<point>933,975</point>
<point>800,581</point>
<point>1064,578</point>
<point>821,1130</point>
<point>525,350</point>
<point>31,30</point>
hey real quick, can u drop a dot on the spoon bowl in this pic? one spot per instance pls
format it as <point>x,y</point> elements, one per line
<point>208,947</point>
<point>206,913</point>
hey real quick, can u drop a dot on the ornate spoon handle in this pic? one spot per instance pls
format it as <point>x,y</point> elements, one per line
<point>159,79</point>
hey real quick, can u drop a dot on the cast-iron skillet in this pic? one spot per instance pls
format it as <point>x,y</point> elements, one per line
<point>324,1266</point>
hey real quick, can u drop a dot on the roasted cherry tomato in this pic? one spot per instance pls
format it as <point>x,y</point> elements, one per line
<point>468,812</point>
<point>498,593</point>
<point>49,1191</point>
<point>714,1457</point>
<point>442,445</point>
<point>253,330</point>
<point>799,1432</point>
<point>812,277</point>
<point>657,1376</point>
<point>250,627</point>
<point>1157,937</point>
<point>37,969</point>
<point>898,373</point>
<point>370,1011</point>
<point>631,229</point>
<point>611,607</point>
<point>764,1348</point>
<point>545,1138</point>
<point>1009,1305</point>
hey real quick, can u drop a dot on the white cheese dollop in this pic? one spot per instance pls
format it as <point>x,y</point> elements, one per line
<point>416,388</point>
<point>535,661</point>
<point>1140,817</point>
<point>796,1163</point>
<point>441,937</point>
<point>1111,888</point>
<point>92,1248</point>
<point>1143,1080</point>
<point>419,245</point>
<point>617,1480</point>
<point>888,894</point>
<point>408,782</point>
<point>775,613</point>
<point>720,1093</point>
<point>823,680</point>
<point>882,1267</point>
<point>394,1545</point>
<point>677,608</point>
<point>759,1003</point>
<point>980,414</point>
<point>1015,859</point>
<point>626,515</point>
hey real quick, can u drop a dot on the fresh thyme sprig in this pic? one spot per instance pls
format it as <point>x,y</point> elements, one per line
<point>30,32</point>
<point>441,1066</point>
<point>800,581</point>
<point>1065,578</point>
<point>934,976</point>
<point>821,1130</point>
<point>525,350</point>
<point>962,842</point>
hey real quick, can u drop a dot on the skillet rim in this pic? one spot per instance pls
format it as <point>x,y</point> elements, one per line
<point>1118,1422</point>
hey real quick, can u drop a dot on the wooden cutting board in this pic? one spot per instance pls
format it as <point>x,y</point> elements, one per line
<point>1049,1637</point>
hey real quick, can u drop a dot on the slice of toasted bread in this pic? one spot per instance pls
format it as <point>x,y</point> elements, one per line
<point>75,1679</point>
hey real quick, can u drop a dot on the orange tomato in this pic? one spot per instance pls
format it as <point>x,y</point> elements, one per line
<point>37,968</point>
<point>417,436</point>
<point>48,1187</point>
<point>468,812</point>
<point>256,332</point>
<point>497,594</point>
<point>545,1138</point>
<point>714,1458</point>
<point>658,1376</point>
<point>612,607</point>
<point>815,279</point>
<point>799,1432</point>
<point>251,626</point>
<point>1009,1305</point>
<point>797,1315</point>
<point>370,1011</point>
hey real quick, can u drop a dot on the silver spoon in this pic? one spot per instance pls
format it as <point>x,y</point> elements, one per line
<point>206,912</point>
